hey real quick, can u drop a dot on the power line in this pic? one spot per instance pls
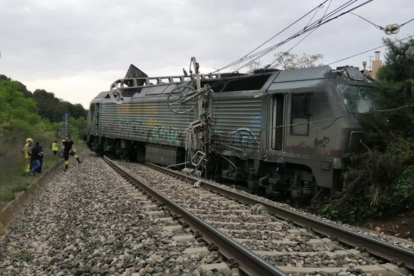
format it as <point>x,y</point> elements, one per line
<point>376,26</point>
<point>306,35</point>
<point>398,40</point>
<point>237,62</point>
<point>316,8</point>
<point>406,22</point>
<point>314,25</point>
<point>306,29</point>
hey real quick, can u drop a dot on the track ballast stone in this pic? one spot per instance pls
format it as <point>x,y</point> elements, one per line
<point>85,223</point>
<point>293,250</point>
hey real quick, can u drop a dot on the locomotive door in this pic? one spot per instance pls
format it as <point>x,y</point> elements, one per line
<point>277,121</point>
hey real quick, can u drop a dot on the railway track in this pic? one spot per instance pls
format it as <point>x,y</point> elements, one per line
<point>261,238</point>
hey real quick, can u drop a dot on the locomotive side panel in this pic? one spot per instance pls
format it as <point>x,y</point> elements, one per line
<point>147,120</point>
<point>237,119</point>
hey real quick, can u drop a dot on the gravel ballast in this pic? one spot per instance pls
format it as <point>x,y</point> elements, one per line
<point>85,223</point>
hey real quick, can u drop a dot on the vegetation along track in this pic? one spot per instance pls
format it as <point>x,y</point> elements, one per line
<point>259,243</point>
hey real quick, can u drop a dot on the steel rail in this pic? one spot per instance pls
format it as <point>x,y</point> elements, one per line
<point>247,261</point>
<point>396,254</point>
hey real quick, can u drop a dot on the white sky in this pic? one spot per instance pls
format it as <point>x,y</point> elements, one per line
<point>77,48</point>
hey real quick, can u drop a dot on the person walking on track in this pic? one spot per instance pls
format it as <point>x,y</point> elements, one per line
<point>69,150</point>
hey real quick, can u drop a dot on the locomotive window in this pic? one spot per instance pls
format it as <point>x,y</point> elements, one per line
<point>357,99</point>
<point>245,84</point>
<point>299,111</point>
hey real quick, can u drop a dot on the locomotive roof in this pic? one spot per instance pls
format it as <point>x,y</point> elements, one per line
<point>138,84</point>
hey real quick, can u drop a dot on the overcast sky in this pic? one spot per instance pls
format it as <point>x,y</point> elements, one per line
<point>77,48</point>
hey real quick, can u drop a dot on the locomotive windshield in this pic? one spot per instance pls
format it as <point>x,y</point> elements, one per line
<point>357,99</point>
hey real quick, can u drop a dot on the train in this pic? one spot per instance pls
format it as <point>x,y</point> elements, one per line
<point>282,132</point>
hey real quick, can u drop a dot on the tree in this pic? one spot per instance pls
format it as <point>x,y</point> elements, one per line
<point>253,66</point>
<point>399,61</point>
<point>53,108</point>
<point>288,61</point>
<point>14,107</point>
<point>380,179</point>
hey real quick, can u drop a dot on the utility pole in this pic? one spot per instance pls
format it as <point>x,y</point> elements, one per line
<point>198,83</point>
<point>66,124</point>
<point>202,103</point>
<point>184,99</point>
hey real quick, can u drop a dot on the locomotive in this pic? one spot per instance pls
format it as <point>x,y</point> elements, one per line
<point>281,132</point>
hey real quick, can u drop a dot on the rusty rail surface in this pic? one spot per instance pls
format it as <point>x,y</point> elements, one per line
<point>247,261</point>
<point>396,254</point>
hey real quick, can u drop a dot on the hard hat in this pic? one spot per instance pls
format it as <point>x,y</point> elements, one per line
<point>29,140</point>
<point>63,140</point>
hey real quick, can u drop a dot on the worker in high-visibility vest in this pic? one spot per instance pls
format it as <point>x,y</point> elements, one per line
<point>27,151</point>
<point>55,148</point>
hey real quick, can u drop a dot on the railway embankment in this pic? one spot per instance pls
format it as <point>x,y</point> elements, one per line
<point>14,207</point>
<point>86,222</point>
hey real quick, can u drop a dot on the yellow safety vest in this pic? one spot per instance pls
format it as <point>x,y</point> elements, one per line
<point>54,147</point>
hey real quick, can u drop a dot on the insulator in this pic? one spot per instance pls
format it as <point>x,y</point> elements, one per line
<point>392,29</point>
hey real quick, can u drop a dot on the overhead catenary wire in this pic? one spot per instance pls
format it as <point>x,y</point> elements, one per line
<point>375,25</point>
<point>406,22</point>
<point>309,27</point>
<point>314,25</point>
<point>318,23</point>
<point>291,48</point>
<point>296,21</point>
<point>306,28</point>
<point>378,26</point>
<point>379,47</point>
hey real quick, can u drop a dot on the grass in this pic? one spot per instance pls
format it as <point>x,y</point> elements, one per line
<point>13,178</point>
<point>6,195</point>
<point>25,256</point>
<point>19,187</point>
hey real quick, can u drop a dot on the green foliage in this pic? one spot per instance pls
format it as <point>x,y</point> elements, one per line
<point>379,181</point>
<point>399,61</point>
<point>357,211</point>
<point>23,115</point>
<point>6,195</point>
<point>78,128</point>
<point>19,187</point>
<point>53,108</point>
<point>25,256</point>
<point>403,188</point>
<point>14,107</point>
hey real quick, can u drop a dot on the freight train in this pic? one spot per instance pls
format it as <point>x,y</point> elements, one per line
<point>283,132</point>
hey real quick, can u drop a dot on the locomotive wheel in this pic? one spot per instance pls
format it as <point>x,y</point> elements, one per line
<point>182,99</point>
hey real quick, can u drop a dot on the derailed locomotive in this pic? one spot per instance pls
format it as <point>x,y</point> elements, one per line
<point>279,131</point>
